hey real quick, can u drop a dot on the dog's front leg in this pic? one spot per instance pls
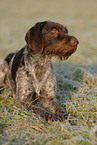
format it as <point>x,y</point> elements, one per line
<point>26,96</point>
<point>52,104</point>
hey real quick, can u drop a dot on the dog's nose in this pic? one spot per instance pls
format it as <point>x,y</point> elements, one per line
<point>74,41</point>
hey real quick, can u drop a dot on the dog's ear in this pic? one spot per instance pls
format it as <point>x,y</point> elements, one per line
<point>34,38</point>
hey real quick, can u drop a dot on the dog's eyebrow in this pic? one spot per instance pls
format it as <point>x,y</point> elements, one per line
<point>64,29</point>
<point>55,27</point>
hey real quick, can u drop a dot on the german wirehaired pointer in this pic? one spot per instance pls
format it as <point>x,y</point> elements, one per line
<point>30,72</point>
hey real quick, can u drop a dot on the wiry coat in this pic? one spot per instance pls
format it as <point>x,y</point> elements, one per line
<point>31,74</point>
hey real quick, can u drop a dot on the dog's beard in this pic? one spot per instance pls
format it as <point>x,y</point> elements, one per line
<point>66,53</point>
<point>63,52</point>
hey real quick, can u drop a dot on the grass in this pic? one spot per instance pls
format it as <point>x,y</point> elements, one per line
<point>77,92</point>
<point>76,77</point>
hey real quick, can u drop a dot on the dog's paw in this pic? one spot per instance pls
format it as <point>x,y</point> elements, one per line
<point>62,116</point>
<point>50,117</point>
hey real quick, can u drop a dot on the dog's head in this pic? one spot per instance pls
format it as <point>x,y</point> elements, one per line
<point>49,38</point>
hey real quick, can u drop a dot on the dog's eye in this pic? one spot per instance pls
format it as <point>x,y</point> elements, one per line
<point>54,31</point>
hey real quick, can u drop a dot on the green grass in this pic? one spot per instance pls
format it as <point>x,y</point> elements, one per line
<point>77,93</point>
<point>76,77</point>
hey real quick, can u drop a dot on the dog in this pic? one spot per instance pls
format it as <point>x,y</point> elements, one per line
<point>30,72</point>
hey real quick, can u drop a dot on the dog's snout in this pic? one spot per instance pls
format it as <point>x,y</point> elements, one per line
<point>74,41</point>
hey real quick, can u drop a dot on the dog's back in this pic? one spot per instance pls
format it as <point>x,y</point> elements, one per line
<point>3,70</point>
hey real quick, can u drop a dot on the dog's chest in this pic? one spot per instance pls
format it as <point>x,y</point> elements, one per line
<point>39,66</point>
<point>40,70</point>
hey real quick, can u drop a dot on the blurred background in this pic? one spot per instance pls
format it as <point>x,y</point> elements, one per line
<point>80,17</point>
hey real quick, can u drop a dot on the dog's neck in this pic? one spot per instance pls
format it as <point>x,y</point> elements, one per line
<point>38,60</point>
<point>37,57</point>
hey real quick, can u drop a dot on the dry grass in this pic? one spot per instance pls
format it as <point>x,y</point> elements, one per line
<point>77,77</point>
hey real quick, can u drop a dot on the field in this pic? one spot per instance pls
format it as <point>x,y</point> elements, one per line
<point>76,77</point>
